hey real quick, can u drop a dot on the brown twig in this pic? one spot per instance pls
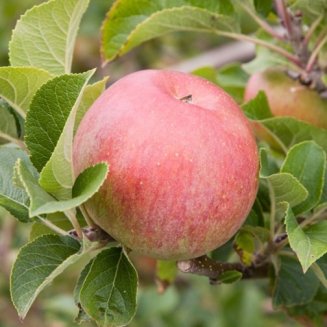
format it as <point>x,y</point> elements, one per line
<point>294,31</point>
<point>205,266</point>
<point>311,73</point>
<point>284,16</point>
<point>259,268</point>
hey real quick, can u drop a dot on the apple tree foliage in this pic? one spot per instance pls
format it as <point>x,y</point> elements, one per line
<point>42,102</point>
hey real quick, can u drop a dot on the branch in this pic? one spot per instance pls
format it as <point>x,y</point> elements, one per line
<point>284,16</point>
<point>293,25</point>
<point>86,216</point>
<point>205,266</point>
<point>73,219</point>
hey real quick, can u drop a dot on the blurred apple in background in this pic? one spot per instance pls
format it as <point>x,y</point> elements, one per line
<point>288,97</point>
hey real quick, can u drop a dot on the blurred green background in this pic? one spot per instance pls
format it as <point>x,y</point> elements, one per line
<point>191,301</point>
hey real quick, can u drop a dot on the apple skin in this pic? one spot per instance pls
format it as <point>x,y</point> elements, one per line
<point>183,174</point>
<point>288,97</point>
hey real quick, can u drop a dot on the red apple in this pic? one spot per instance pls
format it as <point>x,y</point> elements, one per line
<point>183,163</point>
<point>288,97</point>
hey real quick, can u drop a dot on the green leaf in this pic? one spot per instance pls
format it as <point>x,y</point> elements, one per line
<point>268,165</point>
<point>245,247</point>
<point>307,162</point>
<point>12,198</point>
<point>209,73</point>
<point>260,234</point>
<point>87,184</point>
<point>263,7</point>
<point>82,316</point>
<point>285,131</point>
<point>323,199</point>
<point>232,78</point>
<point>229,277</point>
<point>257,108</point>
<point>309,244</point>
<point>90,94</point>
<point>8,126</point>
<point>44,36</point>
<point>223,252</point>
<point>57,176</point>
<point>38,197</point>
<point>18,85</point>
<point>322,263</point>
<point>249,241</point>
<point>311,9</point>
<point>37,264</point>
<point>265,58</point>
<point>48,114</point>
<point>108,293</point>
<point>166,270</point>
<point>315,310</point>
<point>128,24</point>
<point>293,287</point>
<point>256,216</point>
<point>319,274</point>
<point>59,219</point>
<point>289,131</point>
<point>285,186</point>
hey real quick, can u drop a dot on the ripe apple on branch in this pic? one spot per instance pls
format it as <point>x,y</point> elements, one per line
<point>165,164</point>
<point>183,164</point>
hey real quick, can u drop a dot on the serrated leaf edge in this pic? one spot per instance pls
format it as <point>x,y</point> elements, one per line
<point>124,45</point>
<point>48,279</point>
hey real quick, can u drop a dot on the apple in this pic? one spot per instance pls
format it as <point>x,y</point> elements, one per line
<point>183,163</point>
<point>288,97</point>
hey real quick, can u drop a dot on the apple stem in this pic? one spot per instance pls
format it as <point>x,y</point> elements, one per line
<point>87,218</point>
<point>205,266</point>
<point>186,99</point>
<point>72,218</point>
